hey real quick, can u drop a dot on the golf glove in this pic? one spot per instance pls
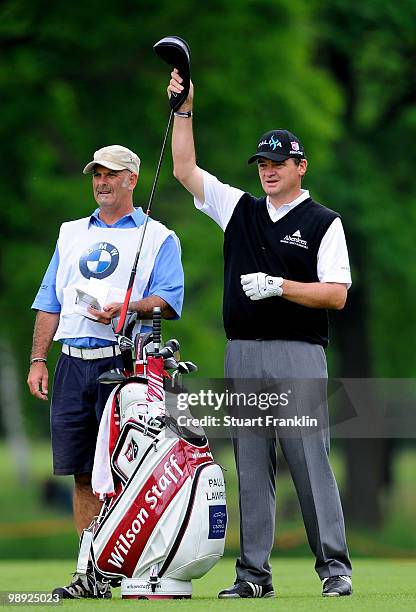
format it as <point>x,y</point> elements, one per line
<point>258,286</point>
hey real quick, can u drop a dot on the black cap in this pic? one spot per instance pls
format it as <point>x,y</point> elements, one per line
<point>278,145</point>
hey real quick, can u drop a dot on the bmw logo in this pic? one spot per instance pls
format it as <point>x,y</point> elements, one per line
<point>99,261</point>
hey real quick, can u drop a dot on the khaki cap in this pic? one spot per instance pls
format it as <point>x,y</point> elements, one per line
<point>114,157</point>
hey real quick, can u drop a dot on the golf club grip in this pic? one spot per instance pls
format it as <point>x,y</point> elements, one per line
<point>126,302</point>
<point>157,326</point>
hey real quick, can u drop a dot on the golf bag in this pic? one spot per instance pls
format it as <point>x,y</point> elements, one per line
<point>164,515</point>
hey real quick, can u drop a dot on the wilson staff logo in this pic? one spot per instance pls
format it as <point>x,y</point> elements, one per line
<point>131,452</point>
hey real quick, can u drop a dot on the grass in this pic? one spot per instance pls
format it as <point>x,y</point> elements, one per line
<point>29,528</point>
<point>379,584</point>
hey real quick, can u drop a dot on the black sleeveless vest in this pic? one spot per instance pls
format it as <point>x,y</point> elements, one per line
<point>287,248</point>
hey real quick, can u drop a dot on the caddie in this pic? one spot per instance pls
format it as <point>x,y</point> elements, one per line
<point>285,264</point>
<point>101,246</point>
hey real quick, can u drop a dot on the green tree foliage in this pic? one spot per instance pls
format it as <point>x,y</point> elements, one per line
<point>75,79</point>
<point>370,51</point>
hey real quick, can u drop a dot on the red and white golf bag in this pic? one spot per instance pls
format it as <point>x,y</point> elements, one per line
<point>164,515</point>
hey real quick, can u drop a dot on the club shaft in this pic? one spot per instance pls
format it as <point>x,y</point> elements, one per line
<point>125,306</point>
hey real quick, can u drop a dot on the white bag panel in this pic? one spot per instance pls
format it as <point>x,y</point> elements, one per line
<point>203,542</point>
<point>132,401</point>
<point>166,530</point>
<point>130,454</point>
<point>124,504</point>
<point>194,569</point>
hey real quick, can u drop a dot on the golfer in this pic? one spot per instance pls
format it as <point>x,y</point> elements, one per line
<point>286,263</point>
<point>101,247</point>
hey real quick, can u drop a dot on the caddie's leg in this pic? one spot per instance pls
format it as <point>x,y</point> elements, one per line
<point>77,405</point>
<point>86,505</point>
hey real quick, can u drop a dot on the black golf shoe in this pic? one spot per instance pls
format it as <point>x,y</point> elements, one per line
<point>84,586</point>
<point>243,589</point>
<point>336,586</point>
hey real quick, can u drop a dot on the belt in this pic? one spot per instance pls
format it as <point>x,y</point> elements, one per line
<point>97,353</point>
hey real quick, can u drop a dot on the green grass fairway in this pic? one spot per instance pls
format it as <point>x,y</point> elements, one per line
<point>379,584</point>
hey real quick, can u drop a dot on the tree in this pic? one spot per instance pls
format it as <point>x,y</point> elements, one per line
<point>370,51</point>
<point>74,80</point>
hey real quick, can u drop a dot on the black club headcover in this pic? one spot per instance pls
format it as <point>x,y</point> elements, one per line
<point>175,51</point>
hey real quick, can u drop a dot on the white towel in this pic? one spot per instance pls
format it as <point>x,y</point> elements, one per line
<point>109,430</point>
<point>102,477</point>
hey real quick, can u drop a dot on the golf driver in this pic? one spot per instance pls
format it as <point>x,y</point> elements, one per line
<point>175,51</point>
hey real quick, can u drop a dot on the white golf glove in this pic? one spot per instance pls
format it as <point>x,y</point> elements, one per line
<point>258,285</point>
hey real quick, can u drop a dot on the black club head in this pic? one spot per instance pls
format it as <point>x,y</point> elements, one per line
<point>112,377</point>
<point>173,344</point>
<point>170,363</point>
<point>166,351</point>
<point>175,51</point>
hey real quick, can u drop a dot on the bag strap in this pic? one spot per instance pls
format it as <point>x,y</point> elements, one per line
<point>84,551</point>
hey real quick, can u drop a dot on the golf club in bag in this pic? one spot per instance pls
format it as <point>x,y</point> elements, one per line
<point>164,514</point>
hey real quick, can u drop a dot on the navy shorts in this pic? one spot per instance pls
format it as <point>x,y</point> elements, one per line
<point>77,405</point>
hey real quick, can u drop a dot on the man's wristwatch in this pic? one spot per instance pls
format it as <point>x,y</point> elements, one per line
<point>184,114</point>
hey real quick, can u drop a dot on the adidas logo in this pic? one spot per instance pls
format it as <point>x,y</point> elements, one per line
<point>295,239</point>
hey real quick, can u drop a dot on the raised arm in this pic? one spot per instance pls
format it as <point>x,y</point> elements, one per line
<point>183,148</point>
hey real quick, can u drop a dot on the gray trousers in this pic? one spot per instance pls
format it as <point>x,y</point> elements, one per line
<point>306,453</point>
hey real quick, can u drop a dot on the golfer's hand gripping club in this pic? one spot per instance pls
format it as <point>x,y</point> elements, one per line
<point>176,87</point>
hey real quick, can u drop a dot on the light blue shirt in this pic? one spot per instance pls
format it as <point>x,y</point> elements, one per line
<point>166,279</point>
